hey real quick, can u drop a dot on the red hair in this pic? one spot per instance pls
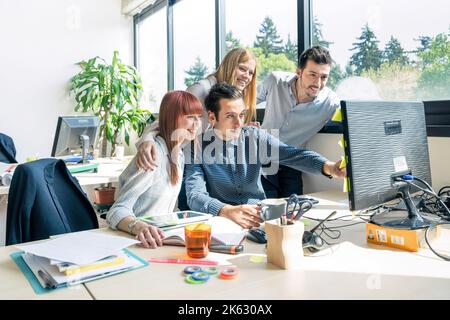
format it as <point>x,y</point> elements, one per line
<point>174,105</point>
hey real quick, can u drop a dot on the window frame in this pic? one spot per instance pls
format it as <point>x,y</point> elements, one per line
<point>304,36</point>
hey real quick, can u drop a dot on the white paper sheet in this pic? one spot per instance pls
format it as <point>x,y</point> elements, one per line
<point>79,248</point>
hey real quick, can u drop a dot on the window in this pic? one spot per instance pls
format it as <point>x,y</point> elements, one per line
<point>382,49</point>
<point>194,41</point>
<point>401,47</point>
<point>269,28</point>
<point>152,58</point>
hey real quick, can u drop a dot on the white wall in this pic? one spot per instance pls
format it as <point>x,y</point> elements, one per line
<point>40,42</point>
<point>327,144</point>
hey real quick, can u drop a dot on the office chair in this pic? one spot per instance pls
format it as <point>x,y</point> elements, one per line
<point>44,200</point>
<point>7,149</point>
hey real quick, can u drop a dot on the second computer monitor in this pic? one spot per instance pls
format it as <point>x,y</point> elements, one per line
<point>70,131</point>
<point>383,139</point>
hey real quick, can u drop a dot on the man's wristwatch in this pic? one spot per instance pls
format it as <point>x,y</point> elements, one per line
<point>131,226</point>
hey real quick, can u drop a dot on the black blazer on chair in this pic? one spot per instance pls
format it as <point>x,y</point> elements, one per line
<point>44,200</point>
<point>7,149</point>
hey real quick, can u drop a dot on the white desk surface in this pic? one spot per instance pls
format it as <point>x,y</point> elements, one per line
<point>14,285</point>
<point>351,269</point>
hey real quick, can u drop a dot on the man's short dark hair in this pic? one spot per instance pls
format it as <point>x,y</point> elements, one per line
<point>318,54</point>
<point>220,91</point>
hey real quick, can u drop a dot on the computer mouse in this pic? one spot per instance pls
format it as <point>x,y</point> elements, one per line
<point>257,235</point>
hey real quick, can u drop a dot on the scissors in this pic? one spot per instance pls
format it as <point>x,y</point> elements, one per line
<point>303,204</point>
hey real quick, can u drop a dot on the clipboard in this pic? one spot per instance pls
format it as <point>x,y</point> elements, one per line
<point>39,289</point>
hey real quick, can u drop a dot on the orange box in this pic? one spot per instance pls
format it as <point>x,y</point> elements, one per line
<point>410,240</point>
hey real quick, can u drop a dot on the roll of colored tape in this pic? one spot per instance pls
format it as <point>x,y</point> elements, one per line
<point>192,269</point>
<point>191,280</point>
<point>211,270</point>
<point>229,273</point>
<point>200,276</point>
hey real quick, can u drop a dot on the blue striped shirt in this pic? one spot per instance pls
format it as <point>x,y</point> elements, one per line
<point>229,172</point>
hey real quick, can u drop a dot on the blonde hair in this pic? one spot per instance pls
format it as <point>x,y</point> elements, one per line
<point>227,73</point>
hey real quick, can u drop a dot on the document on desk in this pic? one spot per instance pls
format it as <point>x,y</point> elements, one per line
<point>79,248</point>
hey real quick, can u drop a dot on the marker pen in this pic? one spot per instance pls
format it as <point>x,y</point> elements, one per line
<point>229,249</point>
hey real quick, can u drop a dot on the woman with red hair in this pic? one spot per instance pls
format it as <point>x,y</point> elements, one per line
<point>155,192</point>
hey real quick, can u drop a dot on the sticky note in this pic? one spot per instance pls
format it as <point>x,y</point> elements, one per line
<point>337,115</point>
<point>258,259</point>
<point>342,143</point>
<point>343,162</point>
<point>346,186</point>
<point>305,222</point>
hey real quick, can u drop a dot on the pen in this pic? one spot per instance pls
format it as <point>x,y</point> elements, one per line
<point>230,249</point>
<point>283,219</point>
<point>183,261</point>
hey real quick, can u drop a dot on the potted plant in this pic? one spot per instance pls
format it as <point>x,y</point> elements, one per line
<point>111,92</point>
<point>104,198</point>
<point>104,194</point>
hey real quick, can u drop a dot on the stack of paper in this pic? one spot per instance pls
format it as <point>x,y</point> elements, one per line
<point>79,257</point>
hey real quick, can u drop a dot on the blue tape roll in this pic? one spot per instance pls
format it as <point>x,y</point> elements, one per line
<point>200,276</point>
<point>192,269</point>
<point>191,280</point>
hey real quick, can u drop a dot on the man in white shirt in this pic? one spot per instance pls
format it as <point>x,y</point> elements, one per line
<point>298,105</point>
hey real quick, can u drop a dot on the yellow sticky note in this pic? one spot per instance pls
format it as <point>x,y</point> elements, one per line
<point>342,143</point>
<point>337,116</point>
<point>346,186</point>
<point>343,162</point>
<point>258,259</point>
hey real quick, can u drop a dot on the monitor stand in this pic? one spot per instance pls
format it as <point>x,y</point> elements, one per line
<point>410,219</point>
<point>84,140</point>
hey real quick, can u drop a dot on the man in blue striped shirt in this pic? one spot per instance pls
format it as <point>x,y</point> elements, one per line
<point>224,177</point>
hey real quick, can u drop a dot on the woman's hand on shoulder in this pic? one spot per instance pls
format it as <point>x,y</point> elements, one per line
<point>146,156</point>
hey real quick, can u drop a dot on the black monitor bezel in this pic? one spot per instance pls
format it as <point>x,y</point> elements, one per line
<point>58,129</point>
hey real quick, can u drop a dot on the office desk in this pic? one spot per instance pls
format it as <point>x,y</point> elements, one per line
<point>352,269</point>
<point>14,285</point>
<point>4,190</point>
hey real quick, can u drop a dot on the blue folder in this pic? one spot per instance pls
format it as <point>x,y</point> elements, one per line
<point>36,285</point>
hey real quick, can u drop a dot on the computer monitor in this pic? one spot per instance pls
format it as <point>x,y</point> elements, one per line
<point>384,142</point>
<point>75,135</point>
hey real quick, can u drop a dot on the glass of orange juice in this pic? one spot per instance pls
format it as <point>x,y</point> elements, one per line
<point>198,238</point>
